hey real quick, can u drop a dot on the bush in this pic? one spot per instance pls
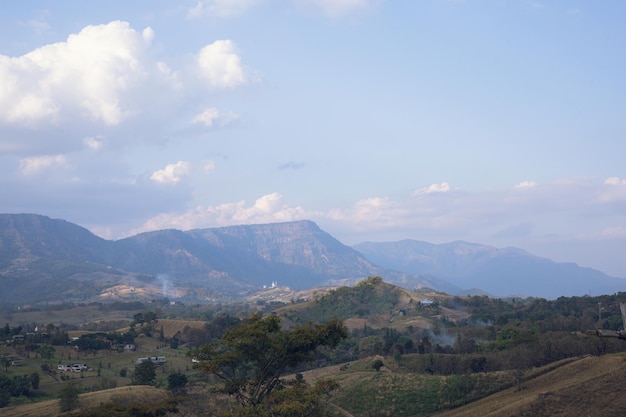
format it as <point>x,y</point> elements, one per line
<point>68,399</point>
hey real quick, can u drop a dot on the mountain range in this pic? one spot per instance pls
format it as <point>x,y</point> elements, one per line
<point>44,259</point>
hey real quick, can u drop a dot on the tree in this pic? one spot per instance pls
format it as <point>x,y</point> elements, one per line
<point>176,382</point>
<point>68,399</point>
<point>34,380</point>
<point>6,362</point>
<point>145,373</point>
<point>46,351</point>
<point>251,357</point>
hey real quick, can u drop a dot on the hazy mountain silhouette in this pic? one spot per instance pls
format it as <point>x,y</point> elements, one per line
<point>501,272</point>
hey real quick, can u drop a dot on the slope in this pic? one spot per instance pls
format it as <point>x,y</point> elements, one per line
<point>591,386</point>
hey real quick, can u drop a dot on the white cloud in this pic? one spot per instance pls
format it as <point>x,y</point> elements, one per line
<point>269,208</point>
<point>172,173</point>
<point>444,187</point>
<point>35,165</point>
<point>220,65</point>
<point>94,143</point>
<point>106,81</point>
<point>208,165</point>
<point>526,184</point>
<point>212,116</point>
<point>87,75</point>
<point>608,233</point>
<point>220,8</point>
<point>148,34</point>
<point>207,117</point>
<point>614,190</point>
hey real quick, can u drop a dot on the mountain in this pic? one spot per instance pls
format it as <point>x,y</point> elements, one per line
<point>499,272</point>
<point>43,259</point>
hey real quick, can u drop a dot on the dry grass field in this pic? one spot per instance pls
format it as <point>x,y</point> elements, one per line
<point>131,394</point>
<point>75,316</point>
<point>591,386</point>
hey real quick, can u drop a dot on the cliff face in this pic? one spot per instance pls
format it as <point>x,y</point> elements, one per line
<point>39,252</point>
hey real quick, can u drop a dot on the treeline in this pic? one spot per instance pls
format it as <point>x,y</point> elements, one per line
<point>17,386</point>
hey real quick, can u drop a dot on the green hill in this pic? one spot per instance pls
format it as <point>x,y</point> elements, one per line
<point>372,300</point>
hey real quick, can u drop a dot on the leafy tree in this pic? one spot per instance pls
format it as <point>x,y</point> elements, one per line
<point>299,399</point>
<point>377,364</point>
<point>176,382</point>
<point>145,373</point>
<point>251,357</point>
<point>68,399</point>
<point>46,351</point>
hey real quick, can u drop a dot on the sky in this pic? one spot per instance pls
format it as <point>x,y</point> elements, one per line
<point>500,122</point>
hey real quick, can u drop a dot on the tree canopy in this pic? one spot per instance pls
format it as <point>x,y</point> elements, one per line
<point>251,357</point>
<point>145,373</point>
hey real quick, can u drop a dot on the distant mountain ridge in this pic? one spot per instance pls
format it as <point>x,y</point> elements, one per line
<point>44,259</point>
<point>500,272</point>
<point>47,259</point>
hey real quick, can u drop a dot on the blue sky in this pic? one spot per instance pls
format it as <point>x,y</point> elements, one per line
<point>497,121</point>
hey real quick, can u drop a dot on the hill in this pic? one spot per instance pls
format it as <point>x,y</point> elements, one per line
<point>590,386</point>
<point>371,302</point>
<point>139,394</point>
<point>499,272</point>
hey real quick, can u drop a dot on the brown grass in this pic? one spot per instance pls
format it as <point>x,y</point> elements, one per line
<point>131,394</point>
<point>591,386</point>
<point>171,327</point>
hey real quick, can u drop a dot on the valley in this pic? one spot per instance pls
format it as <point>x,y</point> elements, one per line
<point>406,353</point>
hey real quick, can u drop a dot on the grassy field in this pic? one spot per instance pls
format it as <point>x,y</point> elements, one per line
<point>578,387</point>
<point>50,408</point>
<point>72,316</point>
<point>106,367</point>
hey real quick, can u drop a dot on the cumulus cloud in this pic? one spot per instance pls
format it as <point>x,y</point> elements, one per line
<point>526,184</point>
<point>172,173</point>
<point>86,75</point>
<point>220,8</point>
<point>269,208</point>
<point>106,80</point>
<point>38,164</point>
<point>220,65</point>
